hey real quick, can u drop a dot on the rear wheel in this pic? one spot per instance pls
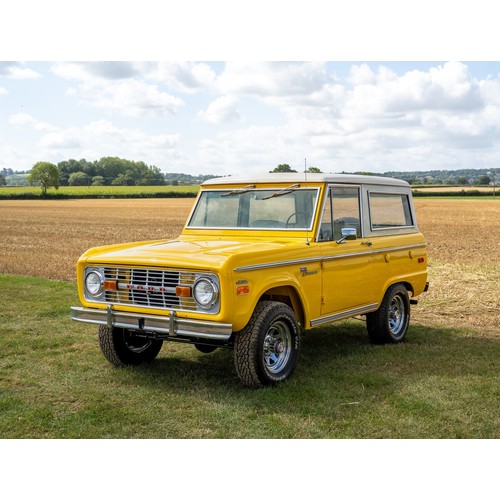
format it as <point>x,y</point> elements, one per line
<point>120,347</point>
<point>266,350</point>
<point>389,324</point>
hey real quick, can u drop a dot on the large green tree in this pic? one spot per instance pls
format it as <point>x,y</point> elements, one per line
<point>314,170</point>
<point>283,168</point>
<point>79,179</point>
<point>46,174</point>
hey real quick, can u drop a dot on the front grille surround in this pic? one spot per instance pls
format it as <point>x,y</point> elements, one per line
<point>152,288</point>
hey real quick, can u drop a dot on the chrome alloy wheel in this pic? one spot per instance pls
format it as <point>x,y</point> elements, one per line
<point>397,315</point>
<point>277,346</point>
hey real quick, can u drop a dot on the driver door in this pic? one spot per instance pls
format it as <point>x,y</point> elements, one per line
<point>346,276</point>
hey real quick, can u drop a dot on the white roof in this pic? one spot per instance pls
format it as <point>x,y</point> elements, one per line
<point>303,178</point>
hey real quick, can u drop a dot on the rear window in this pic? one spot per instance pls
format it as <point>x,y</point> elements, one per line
<point>390,210</point>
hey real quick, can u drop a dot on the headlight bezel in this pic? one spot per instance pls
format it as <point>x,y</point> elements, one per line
<point>99,273</point>
<point>213,290</point>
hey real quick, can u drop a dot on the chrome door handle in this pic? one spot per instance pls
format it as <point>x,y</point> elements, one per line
<point>367,243</point>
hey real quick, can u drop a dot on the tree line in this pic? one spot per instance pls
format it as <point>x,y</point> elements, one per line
<point>109,171</point>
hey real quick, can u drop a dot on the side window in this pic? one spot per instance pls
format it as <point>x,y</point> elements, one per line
<point>388,210</point>
<point>326,227</point>
<point>341,211</point>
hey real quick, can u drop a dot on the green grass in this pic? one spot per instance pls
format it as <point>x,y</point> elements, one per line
<point>97,191</point>
<point>55,383</point>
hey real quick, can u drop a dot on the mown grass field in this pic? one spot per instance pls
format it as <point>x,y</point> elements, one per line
<point>55,383</point>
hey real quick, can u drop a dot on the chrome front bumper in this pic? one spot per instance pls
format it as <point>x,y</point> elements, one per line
<point>167,325</point>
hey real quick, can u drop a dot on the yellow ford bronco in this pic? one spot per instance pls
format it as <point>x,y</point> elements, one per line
<point>259,259</point>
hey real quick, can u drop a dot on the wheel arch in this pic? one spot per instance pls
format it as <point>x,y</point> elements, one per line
<point>288,295</point>
<point>405,283</point>
<point>408,287</point>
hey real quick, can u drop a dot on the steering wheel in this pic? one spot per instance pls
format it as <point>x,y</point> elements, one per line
<point>292,215</point>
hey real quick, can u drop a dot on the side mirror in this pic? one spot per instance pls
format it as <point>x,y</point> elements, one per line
<point>348,233</point>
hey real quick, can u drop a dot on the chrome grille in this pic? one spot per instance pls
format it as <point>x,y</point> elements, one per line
<point>149,287</point>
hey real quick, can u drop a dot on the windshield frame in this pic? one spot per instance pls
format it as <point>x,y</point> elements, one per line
<point>270,189</point>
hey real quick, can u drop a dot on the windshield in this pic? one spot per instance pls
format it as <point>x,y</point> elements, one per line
<point>291,209</point>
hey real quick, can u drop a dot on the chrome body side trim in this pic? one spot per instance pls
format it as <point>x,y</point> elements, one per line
<point>346,255</point>
<point>277,264</point>
<point>344,314</point>
<point>395,249</point>
<point>170,325</point>
<point>324,259</point>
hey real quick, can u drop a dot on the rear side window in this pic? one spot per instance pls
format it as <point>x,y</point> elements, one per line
<point>390,210</point>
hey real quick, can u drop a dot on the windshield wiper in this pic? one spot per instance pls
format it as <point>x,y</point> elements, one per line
<point>240,191</point>
<point>282,192</point>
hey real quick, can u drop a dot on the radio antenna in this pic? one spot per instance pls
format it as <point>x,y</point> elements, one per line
<point>305,178</point>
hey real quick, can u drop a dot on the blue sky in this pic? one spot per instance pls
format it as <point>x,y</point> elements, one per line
<point>239,117</point>
<point>365,99</point>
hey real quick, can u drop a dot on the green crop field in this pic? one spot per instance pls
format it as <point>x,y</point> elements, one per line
<point>98,191</point>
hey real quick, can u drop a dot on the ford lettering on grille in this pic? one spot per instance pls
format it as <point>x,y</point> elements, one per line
<point>149,287</point>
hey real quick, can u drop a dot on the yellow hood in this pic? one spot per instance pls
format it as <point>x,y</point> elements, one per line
<point>191,253</point>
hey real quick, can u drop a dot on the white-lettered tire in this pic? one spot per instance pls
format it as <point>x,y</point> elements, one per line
<point>389,323</point>
<point>121,348</point>
<point>266,350</point>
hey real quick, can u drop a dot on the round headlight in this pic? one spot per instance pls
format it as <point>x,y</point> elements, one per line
<point>94,283</point>
<point>205,293</point>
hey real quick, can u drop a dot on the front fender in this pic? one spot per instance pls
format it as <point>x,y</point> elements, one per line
<point>261,282</point>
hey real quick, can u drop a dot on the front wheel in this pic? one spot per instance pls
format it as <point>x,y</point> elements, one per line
<point>121,348</point>
<point>389,323</point>
<point>266,350</point>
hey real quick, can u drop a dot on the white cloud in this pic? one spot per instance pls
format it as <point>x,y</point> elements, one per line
<point>184,77</point>
<point>361,75</point>
<point>24,119</point>
<point>3,91</point>
<point>222,110</point>
<point>276,79</point>
<point>131,98</point>
<point>17,71</point>
<point>68,139</point>
<point>118,88</point>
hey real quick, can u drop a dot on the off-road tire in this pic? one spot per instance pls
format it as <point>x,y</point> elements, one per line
<point>389,323</point>
<point>266,350</point>
<point>120,348</point>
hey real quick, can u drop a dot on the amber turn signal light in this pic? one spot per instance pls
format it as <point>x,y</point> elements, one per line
<point>183,291</point>
<point>110,285</point>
